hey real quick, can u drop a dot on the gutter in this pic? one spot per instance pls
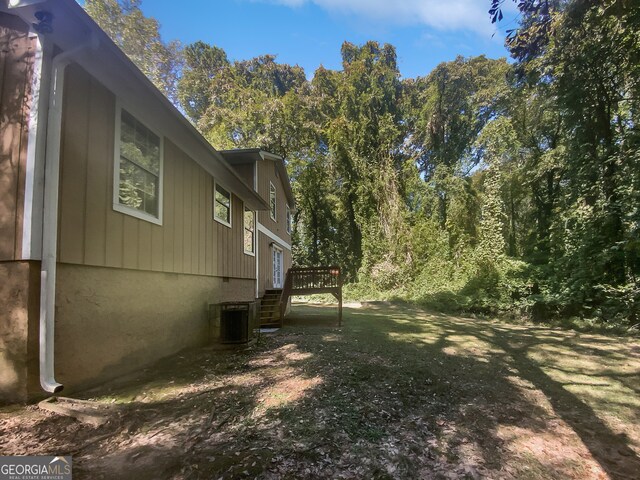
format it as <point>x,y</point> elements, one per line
<point>50,217</point>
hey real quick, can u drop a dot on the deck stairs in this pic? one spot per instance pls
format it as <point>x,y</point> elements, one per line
<point>270,308</point>
<point>300,281</point>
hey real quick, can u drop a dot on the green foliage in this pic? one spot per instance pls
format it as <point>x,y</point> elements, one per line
<point>139,37</point>
<point>202,62</point>
<point>484,186</point>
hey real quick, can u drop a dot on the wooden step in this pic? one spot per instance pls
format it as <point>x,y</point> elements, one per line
<point>270,308</point>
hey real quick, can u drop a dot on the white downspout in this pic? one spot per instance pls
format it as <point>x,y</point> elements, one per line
<point>50,220</point>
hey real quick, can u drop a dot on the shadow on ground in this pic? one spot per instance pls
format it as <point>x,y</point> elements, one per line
<point>394,393</point>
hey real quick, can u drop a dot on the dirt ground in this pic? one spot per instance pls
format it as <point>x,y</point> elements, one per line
<point>395,393</point>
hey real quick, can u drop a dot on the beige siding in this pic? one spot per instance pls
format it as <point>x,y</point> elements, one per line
<point>16,69</point>
<point>265,262</point>
<point>267,174</point>
<point>189,241</point>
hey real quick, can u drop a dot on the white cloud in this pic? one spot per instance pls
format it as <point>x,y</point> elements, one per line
<point>448,15</point>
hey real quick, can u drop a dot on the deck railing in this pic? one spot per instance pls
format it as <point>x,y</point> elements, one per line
<point>314,278</point>
<point>310,280</point>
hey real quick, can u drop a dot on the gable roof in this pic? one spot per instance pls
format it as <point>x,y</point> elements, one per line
<point>104,60</point>
<point>248,155</point>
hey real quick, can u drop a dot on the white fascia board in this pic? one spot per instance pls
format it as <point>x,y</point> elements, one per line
<point>274,237</point>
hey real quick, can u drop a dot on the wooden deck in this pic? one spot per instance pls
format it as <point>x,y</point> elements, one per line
<point>311,280</point>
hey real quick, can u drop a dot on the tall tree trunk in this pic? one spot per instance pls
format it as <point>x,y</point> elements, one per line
<point>356,235</point>
<point>512,223</point>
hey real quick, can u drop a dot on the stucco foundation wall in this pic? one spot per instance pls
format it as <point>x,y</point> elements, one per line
<point>19,295</point>
<point>111,321</point>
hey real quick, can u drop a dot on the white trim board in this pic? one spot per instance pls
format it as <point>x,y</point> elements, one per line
<point>34,176</point>
<point>273,236</point>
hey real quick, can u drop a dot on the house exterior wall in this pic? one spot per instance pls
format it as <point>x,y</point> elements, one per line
<point>17,52</point>
<point>189,240</point>
<point>128,291</point>
<point>109,321</point>
<point>19,280</point>
<point>267,174</point>
<point>20,294</point>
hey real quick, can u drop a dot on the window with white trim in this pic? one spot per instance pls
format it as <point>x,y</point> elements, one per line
<point>138,172</point>
<point>249,232</point>
<point>222,205</point>
<point>272,201</point>
<point>288,220</point>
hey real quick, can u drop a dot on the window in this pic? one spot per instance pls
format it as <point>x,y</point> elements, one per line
<point>138,172</point>
<point>222,205</point>
<point>288,220</point>
<point>272,201</point>
<point>249,231</point>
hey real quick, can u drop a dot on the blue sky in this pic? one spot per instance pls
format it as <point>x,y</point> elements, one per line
<point>310,32</point>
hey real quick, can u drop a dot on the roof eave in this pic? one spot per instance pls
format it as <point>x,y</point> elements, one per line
<point>131,85</point>
<point>241,155</point>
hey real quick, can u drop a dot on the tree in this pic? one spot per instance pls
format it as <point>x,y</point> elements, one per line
<point>363,129</point>
<point>252,103</point>
<point>139,37</point>
<point>583,57</point>
<point>202,62</point>
<point>449,109</point>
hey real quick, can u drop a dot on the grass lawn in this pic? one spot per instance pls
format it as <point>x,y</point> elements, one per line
<point>395,393</point>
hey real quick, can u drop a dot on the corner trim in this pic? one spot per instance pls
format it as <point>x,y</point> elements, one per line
<point>273,236</point>
<point>34,177</point>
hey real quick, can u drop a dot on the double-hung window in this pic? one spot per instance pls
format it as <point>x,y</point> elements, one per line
<point>138,170</point>
<point>222,205</point>
<point>273,206</point>
<point>249,232</point>
<point>288,220</point>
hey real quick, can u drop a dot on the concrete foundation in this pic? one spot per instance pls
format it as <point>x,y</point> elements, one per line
<point>109,322</point>
<point>19,313</point>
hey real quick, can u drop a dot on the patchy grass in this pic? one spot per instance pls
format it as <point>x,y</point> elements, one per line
<point>396,393</point>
